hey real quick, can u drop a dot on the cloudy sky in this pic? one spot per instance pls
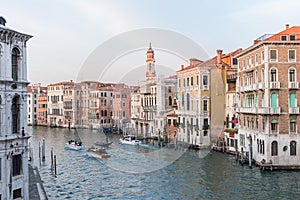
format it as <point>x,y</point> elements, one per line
<point>67,32</point>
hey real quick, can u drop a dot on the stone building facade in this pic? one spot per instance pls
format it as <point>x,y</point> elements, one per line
<point>13,113</point>
<point>268,99</point>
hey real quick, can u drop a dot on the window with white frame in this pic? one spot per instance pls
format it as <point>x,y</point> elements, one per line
<point>273,75</point>
<point>292,55</point>
<point>273,55</point>
<point>293,126</point>
<point>205,82</point>
<point>292,74</point>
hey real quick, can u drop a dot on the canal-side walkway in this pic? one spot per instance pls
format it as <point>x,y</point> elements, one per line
<point>36,188</point>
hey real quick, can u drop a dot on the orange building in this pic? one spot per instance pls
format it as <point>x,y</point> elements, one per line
<point>42,110</point>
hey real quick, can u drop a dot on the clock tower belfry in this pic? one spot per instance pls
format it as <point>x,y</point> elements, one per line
<point>150,70</point>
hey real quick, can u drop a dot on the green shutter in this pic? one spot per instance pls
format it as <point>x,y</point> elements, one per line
<point>274,100</point>
<point>274,121</point>
<point>292,100</point>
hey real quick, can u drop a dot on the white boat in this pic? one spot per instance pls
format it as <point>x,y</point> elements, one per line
<point>97,153</point>
<point>74,145</point>
<point>129,140</point>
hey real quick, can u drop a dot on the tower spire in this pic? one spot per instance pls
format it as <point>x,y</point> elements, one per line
<point>150,71</point>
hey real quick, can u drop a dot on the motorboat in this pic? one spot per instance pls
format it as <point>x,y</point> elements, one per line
<point>74,145</point>
<point>129,140</point>
<point>97,152</point>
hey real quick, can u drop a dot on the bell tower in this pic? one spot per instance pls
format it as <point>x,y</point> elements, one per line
<point>150,70</point>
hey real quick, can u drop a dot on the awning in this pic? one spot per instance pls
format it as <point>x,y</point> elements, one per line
<point>248,71</point>
<point>274,121</point>
<point>293,120</point>
<point>234,121</point>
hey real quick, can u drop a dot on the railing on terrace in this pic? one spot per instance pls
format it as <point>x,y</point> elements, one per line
<point>275,110</point>
<point>294,110</point>
<point>293,85</point>
<point>261,86</point>
<point>274,85</point>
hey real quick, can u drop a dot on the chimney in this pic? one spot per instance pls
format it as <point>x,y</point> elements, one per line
<point>219,56</point>
<point>287,26</point>
<point>182,67</point>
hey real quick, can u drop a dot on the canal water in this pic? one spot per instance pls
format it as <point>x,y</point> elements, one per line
<point>138,173</point>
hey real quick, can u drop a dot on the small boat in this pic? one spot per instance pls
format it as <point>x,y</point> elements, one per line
<point>97,152</point>
<point>74,145</point>
<point>103,144</point>
<point>130,140</point>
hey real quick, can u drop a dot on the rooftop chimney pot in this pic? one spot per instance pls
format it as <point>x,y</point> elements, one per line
<point>287,26</point>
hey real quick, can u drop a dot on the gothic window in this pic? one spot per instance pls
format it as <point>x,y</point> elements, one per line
<point>15,110</point>
<point>292,75</point>
<point>274,148</point>
<point>14,63</point>
<point>273,75</point>
<point>293,147</point>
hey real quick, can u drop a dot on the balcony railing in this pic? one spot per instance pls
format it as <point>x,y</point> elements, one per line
<point>275,110</point>
<point>274,85</point>
<point>293,85</point>
<point>294,110</point>
<point>261,86</point>
<point>264,110</point>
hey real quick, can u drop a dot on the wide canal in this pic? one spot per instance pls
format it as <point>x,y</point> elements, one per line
<point>144,172</point>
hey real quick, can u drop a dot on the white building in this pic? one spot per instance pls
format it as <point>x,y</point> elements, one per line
<point>55,97</point>
<point>13,114</point>
<point>152,102</point>
<point>34,91</point>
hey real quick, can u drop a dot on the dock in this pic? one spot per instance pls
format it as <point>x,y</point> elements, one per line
<point>36,188</point>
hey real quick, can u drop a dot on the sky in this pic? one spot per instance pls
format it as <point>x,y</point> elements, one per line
<point>66,32</point>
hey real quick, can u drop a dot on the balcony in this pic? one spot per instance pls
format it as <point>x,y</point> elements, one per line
<point>294,110</point>
<point>248,87</point>
<point>261,86</point>
<point>275,110</point>
<point>205,87</point>
<point>293,85</point>
<point>246,110</point>
<point>274,85</point>
<point>263,110</point>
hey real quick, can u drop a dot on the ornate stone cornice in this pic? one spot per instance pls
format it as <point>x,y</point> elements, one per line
<point>8,36</point>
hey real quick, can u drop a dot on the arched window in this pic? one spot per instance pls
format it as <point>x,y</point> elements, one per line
<point>293,147</point>
<point>292,74</point>
<point>274,148</point>
<point>273,75</point>
<point>170,101</point>
<point>273,100</point>
<point>293,100</point>
<point>15,111</point>
<point>14,63</point>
